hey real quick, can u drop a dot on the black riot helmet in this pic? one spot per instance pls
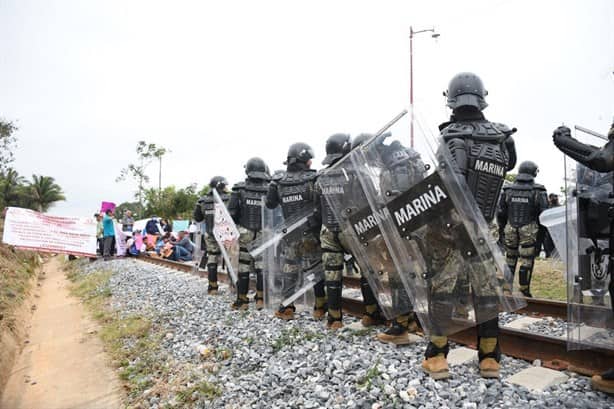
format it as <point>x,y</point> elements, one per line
<point>218,182</point>
<point>255,168</point>
<point>528,168</point>
<point>337,146</point>
<point>299,152</point>
<point>360,139</point>
<point>394,154</point>
<point>466,89</point>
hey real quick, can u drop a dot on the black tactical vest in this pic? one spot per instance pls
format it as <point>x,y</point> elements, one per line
<point>403,173</point>
<point>208,205</point>
<point>335,189</point>
<point>296,191</point>
<point>522,203</point>
<point>483,159</point>
<point>251,203</point>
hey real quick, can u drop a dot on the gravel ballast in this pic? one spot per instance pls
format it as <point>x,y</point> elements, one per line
<point>268,363</point>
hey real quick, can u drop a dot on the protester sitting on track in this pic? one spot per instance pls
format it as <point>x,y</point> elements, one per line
<point>184,248</point>
<point>109,234</point>
<point>166,226</point>
<point>127,221</point>
<point>162,241</point>
<point>131,248</point>
<point>153,233</point>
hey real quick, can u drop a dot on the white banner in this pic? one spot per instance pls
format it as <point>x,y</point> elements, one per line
<point>36,231</point>
<point>120,240</point>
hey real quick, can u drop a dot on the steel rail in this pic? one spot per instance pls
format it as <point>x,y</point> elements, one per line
<point>552,351</point>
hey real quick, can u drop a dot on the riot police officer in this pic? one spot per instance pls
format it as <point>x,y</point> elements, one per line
<point>205,211</point>
<point>600,160</point>
<point>294,192</point>
<point>402,169</point>
<point>245,208</point>
<point>332,238</point>
<point>483,152</point>
<point>519,208</point>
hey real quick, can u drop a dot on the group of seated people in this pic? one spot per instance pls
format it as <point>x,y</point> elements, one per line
<point>160,238</point>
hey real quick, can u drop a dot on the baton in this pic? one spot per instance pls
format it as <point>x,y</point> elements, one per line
<point>588,131</point>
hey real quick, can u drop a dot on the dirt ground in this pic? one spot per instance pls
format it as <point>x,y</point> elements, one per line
<point>63,364</point>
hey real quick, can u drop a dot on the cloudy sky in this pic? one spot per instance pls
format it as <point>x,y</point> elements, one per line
<point>220,82</point>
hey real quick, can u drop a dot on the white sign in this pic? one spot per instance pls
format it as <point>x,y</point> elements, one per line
<point>36,231</point>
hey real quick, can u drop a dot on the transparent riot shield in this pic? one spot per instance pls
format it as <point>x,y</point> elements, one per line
<point>291,258</point>
<point>588,243</point>
<point>227,237</point>
<point>343,194</point>
<point>439,241</point>
<point>199,252</point>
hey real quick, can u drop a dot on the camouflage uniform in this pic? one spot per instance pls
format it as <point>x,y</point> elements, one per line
<point>334,246</point>
<point>519,208</point>
<point>245,208</point>
<point>293,191</point>
<point>205,211</point>
<point>481,152</point>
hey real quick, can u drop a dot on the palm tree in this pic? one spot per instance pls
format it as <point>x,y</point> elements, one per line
<point>10,187</point>
<point>44,192</point>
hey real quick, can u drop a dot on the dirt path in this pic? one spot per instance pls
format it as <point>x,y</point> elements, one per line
<point>63,366</point>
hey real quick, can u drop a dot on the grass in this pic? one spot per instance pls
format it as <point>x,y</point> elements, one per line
<point>192,393</point>
<point>17,268</point>
<point>294,336</point>
<point>373,373</point>
<point>135,347</point>
<point>547,281</point>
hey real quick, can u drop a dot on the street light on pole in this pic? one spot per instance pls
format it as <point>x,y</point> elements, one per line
<point>412,33</point>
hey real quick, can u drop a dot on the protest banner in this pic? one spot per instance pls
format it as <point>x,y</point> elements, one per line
<point>30,230</point>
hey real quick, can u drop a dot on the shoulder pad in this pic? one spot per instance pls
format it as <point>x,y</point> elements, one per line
<point>202,199</point>
<point>537,186</point>
<point>522,186</point>
<point>310,174</point>
<point>502,127</point>
<point>238,186</point>
<point>278,176</point>
<point>483,130</point>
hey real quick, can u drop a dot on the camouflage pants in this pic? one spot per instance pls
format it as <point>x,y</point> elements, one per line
<point>297,254</point>
<point>520,243</point>
<point>334,246</point>
<point>456,283</point>
<point>247,264</point>
<point>213,250</point>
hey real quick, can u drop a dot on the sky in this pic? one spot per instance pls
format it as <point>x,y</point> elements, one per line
<point>220,82</point>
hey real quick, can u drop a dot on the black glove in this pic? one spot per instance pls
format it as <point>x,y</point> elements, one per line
<point>561,132</point>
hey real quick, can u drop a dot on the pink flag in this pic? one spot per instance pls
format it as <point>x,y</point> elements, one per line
<point>107,206</point>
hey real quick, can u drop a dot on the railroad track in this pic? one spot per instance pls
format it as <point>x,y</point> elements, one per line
<point>552,351</point>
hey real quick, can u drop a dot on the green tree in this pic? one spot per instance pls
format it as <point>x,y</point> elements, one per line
<point>44,192</point>
<point>171,203</point>
<point>134,207</point>
<point>11,188</point>
<point>146,153</point>
<point>7,143</point>
<point>204,191</point>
